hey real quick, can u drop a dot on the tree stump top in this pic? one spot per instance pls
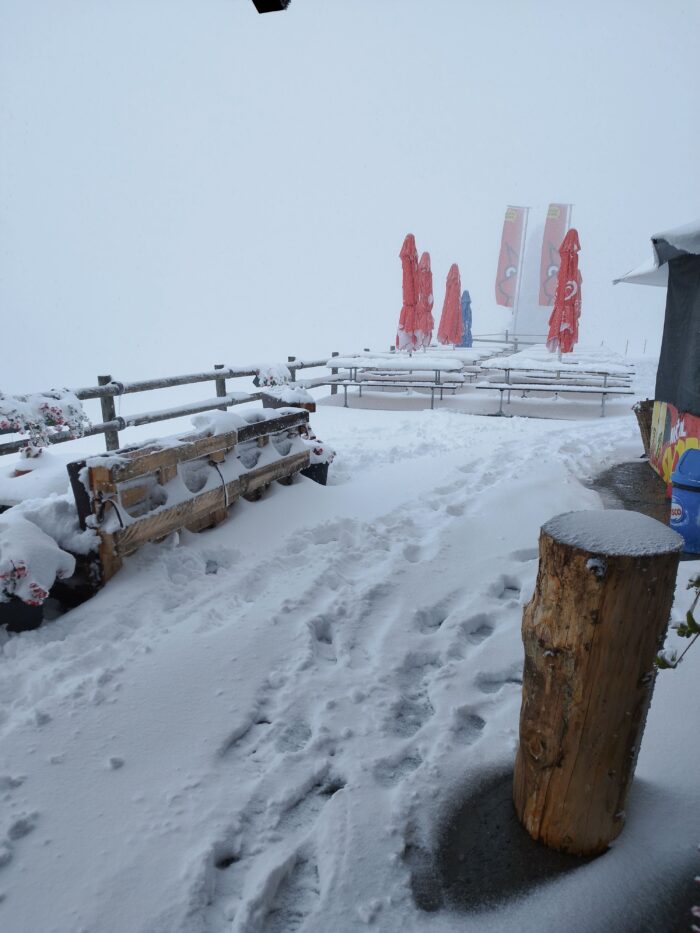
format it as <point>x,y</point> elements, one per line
<point>613,532</point>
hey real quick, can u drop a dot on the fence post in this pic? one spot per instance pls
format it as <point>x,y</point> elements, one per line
<point>591,632</point>
<point>108,414</point>
<point>292,369</point>
<point>334,372</point>
<point>220,383</point>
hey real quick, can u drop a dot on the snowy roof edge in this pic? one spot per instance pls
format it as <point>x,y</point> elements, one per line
<point>655,271</point>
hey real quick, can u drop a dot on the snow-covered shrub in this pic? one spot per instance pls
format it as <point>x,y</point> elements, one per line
<point>290,395</point>
<point>272,374</point>
<point>42,414</point>
<point>318,451</point>
<point>688,629</point>
<point>30,560</point>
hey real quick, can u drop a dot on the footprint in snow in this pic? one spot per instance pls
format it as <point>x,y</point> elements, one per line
<point>248,732</point>
<point>294,738</point>
<point>414,668</point>
<point>408,715</point>
<point>506,586</point>
<point>412,553</point>
<point>388,772</point>
<point>430,618</point>
<point>8,782</point>
<point>304,812</point>
<point>478,627</point>
<point>22,826</point>
<point>525,555</point>
<point>322,638</point>
<point>492,683</point>
<point>466,724</point>
<point>296,897</point>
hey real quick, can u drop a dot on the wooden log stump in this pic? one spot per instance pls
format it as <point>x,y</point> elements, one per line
<point>591,631</point>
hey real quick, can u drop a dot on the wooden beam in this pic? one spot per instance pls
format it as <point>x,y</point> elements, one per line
<point>167,520</point>
<point>149,459</point>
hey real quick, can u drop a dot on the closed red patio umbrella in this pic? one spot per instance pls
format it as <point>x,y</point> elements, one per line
<point>424,305</point>
<point>563,322</point>
<point>406,335</point>
<point>451,327</point>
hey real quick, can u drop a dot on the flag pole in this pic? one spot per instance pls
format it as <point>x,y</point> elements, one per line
<point>521,263</point>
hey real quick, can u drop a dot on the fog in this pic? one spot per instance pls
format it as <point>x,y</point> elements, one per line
<point>184,182</point>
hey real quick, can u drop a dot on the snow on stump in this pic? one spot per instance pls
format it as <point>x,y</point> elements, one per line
<point>591,631</point>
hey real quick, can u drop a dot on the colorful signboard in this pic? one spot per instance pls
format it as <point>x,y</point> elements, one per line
<point>672,433</point>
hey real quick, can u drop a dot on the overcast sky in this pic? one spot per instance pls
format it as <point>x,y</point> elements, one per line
<point>184,182</point>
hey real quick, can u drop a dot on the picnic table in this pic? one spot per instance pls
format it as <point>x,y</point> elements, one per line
<point>536,375</point>
<point>536,370</point>
<point>394,370</point>
<point>558,370</point>
<point>396,363</point>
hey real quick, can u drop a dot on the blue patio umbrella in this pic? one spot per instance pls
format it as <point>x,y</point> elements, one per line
<point>466,320</point>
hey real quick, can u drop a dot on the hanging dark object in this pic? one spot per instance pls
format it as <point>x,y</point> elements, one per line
<point>270,6</point>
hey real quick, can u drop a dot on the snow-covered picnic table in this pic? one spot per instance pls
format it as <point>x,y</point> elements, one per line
<point>395,363</point>
<point>538,370</point>
<point>396,370</point>
<point>587,372</point>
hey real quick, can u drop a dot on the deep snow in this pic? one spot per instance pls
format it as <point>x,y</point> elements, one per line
<point>245,728</point>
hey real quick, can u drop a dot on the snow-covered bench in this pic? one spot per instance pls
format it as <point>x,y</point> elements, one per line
<point>396,383</point>
<point>145,493</point>
<point>554,388</point>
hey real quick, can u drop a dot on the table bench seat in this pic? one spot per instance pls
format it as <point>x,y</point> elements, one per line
<point>554,389</point>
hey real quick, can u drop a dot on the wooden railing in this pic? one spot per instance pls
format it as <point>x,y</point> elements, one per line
<point>108,389</point>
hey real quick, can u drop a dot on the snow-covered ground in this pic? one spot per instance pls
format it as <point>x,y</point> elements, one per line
<point>246,728</point>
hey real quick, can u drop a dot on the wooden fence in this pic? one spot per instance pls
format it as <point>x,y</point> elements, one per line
<point>108,389</point>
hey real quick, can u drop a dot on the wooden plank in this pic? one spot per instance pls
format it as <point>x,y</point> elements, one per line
<point>83,501</point>
<point>166,473</point>
<point>100,480</point>
<point>142,461</point>
<point>134,495</point>
<point>181,515</point>
<point>296,419</point>
<point>208,519</point>
<point>167,520</point>
<point>285,466</point>
<point>146,385</point>
<point>110,560</point>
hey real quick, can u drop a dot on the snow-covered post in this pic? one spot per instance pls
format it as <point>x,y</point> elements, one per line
<point>334,372</point>
<point>292,369</point>
<point>220,384</point>
<point>108,414</point>
<point>591,632</point>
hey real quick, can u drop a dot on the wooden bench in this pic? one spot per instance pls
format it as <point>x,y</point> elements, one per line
<point>361,384</point>
<point>554,388</point>
<point>142,494</point>
<point>447,379</point>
